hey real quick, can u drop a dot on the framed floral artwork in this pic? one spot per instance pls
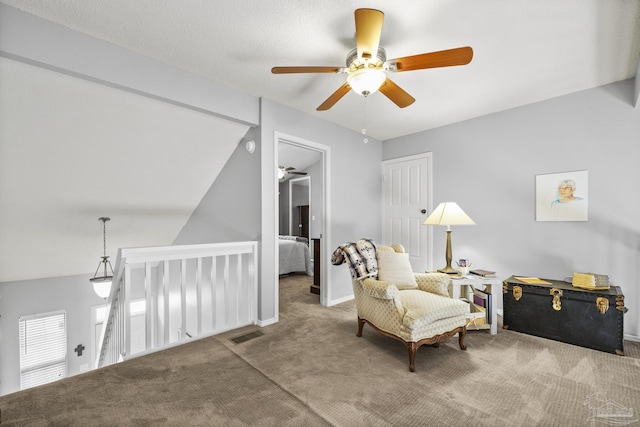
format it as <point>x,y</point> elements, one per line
<point>562,196</point>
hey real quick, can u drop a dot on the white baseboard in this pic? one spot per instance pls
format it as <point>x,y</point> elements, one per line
<point>267,322</point>
<point>340,300</point>
<point>633,338</point>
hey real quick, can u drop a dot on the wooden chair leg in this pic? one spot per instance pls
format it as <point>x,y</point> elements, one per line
<point>360,325</point>
<point>412,347</point>
<point>461,335</point>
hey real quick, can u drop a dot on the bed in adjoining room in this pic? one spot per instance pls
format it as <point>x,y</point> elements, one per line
<point>295,256</point>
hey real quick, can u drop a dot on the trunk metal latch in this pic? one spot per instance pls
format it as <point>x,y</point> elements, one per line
<point>517,292</point>
<point>602,304</point>
<point>557,293</point>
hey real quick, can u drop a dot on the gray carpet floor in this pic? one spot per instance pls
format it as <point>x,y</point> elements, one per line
<point>310,369</point>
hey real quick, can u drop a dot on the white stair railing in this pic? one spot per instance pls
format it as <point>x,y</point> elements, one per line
<point>161,296</point>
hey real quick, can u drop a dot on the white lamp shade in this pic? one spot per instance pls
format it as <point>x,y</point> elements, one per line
<point>448,213</point>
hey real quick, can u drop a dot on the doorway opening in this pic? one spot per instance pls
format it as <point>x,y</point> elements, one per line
<point>301,208</point>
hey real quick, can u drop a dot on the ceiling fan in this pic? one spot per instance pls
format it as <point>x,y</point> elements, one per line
<point>282,172</point>
<point>367,64</point>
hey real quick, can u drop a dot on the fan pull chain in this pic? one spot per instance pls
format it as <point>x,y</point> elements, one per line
<point>364,118</point>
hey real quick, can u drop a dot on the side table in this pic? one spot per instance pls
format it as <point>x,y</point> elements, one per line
<point>492,285</point>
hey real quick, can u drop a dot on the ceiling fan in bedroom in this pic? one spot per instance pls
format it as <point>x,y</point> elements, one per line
<point>367,64</point>
<point>282,172</point>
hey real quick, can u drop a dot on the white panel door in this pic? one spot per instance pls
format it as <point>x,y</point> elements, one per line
<point>406,202</point>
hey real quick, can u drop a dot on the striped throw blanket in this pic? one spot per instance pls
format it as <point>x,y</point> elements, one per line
<point>359,256</point>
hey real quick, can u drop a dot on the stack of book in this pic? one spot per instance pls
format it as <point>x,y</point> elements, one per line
<point>590,281</point>
<point>483,273</point>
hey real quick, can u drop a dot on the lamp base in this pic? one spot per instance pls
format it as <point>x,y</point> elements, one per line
<point>448,270</point>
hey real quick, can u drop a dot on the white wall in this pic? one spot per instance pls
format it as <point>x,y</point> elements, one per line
<point>488,166</point>
<point>73,294</point>
<point>230,210</point>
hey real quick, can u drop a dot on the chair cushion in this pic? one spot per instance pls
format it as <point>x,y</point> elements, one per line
<point>424,308</point>
<point>395,268</point>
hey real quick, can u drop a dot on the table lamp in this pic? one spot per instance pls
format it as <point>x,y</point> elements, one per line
<point>448,213</point>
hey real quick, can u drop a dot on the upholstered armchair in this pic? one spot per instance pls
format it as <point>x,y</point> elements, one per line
<point>414,308</point>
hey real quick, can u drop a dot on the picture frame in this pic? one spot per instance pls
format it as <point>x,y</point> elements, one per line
<point>562,196</point>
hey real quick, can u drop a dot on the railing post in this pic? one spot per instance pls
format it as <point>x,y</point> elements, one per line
<point>199,295</point>
<point>166,306</point>
<point>254,280</point>
<point>214,292</point>
<point>126,318</point>
<point>241,283</point>
<point>226,289</point>
<point>149,312</point>
<point>183,302</point>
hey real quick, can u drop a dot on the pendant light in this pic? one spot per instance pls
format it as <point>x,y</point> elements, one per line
<point>102,284</point>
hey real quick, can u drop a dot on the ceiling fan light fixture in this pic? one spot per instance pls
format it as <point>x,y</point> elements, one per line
<point>367,63</point>
<point>366,81</point>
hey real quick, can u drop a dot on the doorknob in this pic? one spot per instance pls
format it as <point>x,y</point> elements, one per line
<point>424,211</point>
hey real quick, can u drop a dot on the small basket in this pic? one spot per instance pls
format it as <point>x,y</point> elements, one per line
<point>476,317</point>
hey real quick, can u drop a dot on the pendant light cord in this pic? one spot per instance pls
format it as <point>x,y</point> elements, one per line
<point>104,236</point>
<point>105,258</point>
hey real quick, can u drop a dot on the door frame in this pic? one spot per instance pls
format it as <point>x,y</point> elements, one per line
<point>325,236</point>
<point>429,158</point>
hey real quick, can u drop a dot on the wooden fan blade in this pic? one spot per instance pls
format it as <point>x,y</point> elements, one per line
<point>335,97</point>
<point>443,58</point>
<point>368,30</point>
<point>396,94</point>
<point>290,70</point>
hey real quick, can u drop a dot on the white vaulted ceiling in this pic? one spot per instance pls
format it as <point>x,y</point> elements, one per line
<point>56,131</point>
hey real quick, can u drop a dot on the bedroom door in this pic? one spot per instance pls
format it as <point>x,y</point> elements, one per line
<point>406,203</point>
